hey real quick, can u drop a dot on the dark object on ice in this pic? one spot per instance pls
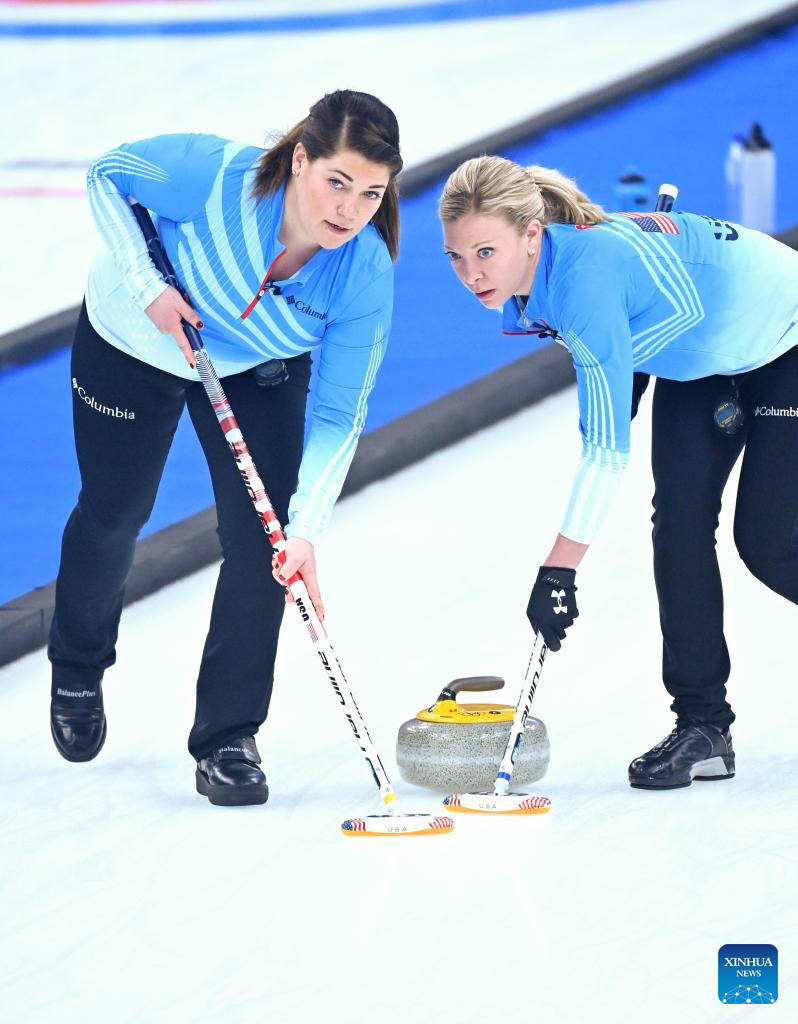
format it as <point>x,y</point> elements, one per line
<point>77,723</point>
<point>230,777</point>
<point>690,752</point>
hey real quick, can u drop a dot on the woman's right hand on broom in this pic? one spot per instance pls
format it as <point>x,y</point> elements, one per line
<point>298,556</point>
<point>166,313</point>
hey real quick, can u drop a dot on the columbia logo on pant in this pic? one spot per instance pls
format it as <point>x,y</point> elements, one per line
<point>769,410</point>
<point>106,410</point>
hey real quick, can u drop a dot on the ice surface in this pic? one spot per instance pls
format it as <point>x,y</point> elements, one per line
<point>126,897</point>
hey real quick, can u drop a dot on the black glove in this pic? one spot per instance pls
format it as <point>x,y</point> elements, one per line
<point>552,604</point>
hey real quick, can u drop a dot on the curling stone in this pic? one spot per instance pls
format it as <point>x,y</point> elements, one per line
<point>458,747</point>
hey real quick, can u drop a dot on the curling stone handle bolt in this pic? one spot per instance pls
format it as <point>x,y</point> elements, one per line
<point>470,684</point>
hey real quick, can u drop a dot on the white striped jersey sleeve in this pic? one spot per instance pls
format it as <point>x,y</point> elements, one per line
<point>352,350</point>
<point>162,175</point>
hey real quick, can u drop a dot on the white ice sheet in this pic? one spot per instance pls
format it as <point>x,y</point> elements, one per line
<point>128,898</point>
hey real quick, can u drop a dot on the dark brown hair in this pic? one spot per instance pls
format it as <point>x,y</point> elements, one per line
<point>342,120</point>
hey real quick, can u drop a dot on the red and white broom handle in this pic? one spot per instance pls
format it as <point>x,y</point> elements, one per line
<point>268,517</point>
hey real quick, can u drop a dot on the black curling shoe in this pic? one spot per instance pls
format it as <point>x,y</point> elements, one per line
<point>701,752</point>
<point>77,722</point>
<point>230,777</point>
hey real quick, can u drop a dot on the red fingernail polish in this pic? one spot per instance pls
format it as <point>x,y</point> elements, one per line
<point>200,325</point>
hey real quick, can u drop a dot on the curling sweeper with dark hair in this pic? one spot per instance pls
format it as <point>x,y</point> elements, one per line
<point>710,309</point>
<point>283,253</point>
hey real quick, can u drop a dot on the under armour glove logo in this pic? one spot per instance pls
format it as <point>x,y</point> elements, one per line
<point>552,604</point>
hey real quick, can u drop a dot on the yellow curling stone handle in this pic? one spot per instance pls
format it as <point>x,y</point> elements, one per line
<point>446,708</point>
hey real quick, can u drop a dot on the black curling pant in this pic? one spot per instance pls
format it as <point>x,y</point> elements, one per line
<point>692,461</point>
<point>125,415</point>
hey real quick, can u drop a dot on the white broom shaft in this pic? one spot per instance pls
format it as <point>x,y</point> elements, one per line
<point>335,675</point>
<point>505,772</point>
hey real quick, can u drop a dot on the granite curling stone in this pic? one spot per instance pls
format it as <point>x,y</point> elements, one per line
<point>458,747</point>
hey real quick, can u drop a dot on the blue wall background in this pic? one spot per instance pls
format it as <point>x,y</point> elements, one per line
<point>441,338</point>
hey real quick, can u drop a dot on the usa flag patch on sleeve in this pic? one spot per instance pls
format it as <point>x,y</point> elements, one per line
<point>657,222</point>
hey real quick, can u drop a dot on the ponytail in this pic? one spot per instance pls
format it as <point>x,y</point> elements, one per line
<point>493,185</point>
<point>563,201</point>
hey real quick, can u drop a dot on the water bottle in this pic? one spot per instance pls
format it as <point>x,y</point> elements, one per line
<point>758,183</point>
<point>732,168</point>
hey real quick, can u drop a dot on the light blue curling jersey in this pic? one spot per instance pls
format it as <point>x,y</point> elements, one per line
<point>222,244</point>
<point>675,295</point>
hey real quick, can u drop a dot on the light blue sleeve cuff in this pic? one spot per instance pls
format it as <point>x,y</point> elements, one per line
<point>297,527</point>
<point>144,289</point>
<point>597,479</point>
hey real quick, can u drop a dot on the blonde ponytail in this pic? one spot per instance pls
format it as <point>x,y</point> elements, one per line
<point>493,185</point>
<point>563,200</point>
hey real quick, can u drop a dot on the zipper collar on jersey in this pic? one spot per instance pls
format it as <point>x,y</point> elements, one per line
<point>266,285</point>
<point>274,250</point>
<point>531,320</point>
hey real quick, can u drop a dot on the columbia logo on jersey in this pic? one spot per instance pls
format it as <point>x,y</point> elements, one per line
<point>303,307</point>
<point>769,410</point>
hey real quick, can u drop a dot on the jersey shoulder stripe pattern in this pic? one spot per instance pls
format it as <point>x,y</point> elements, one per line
<point>672,280</point>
